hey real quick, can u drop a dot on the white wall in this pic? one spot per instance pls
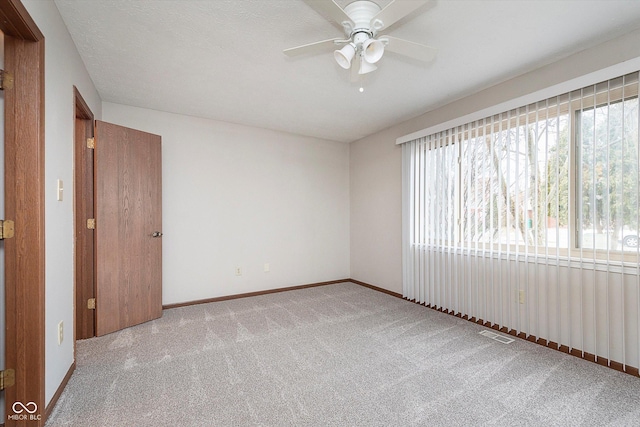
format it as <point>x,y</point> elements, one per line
<point>63,69</point>
<point>376,197</point>
<point>375,161</point>
<point>237,196</point>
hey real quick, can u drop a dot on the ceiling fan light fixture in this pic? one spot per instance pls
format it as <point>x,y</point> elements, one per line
<point>344,56</point>
<point>363,46</point>
<point>366,67</point>
<point>372,50</point>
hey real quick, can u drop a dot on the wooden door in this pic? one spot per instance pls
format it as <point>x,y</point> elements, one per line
<point>128,187</point>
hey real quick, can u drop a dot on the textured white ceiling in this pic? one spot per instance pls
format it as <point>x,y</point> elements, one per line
<point>222,59</point>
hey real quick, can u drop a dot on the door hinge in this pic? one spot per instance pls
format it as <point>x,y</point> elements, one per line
<point>91,223</point>
<point>91,143</point>
<point>6,80</point>
<point>7,378</point>
<point>6,229</point>
<point>91,303</point>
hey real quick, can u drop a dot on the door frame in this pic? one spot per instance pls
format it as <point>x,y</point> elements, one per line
<point>83,209</point>
<point>24,204</point>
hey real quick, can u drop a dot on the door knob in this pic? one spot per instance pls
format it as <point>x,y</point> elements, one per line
<point>156,234</point>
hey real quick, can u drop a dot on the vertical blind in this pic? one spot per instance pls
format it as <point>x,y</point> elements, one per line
<point>529,220</point>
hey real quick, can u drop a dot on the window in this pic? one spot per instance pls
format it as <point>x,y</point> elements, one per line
<point>607,191</point>
<point>528,220</point>
<point>514,179</point>
<point>556,177</point>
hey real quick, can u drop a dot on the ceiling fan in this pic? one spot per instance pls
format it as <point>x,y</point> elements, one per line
<point>362,20</point>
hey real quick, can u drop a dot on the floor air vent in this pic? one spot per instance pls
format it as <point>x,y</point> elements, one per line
<point>497,337</point>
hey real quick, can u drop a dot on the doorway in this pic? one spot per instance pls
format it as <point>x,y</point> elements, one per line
<point>118,223</point>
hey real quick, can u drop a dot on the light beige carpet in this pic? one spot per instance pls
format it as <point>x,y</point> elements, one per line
<point>338,355</point>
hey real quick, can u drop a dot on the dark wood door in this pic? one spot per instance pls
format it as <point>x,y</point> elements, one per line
<point>128,198</point>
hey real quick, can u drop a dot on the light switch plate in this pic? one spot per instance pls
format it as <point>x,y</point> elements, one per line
<point>60,190</point>
<point>60,332</point>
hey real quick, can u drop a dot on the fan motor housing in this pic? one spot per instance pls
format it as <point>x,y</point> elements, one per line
<point>361,13</point>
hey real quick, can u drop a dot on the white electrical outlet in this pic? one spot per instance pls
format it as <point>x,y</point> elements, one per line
<point>238,271</point>
<point>267,268</point>
<point>60,332</point>
<point>521,296</point>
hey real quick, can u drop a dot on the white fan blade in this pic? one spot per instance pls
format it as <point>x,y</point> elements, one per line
<point>411,49</point>
<point>331,9</point>
<point>317,47</point>
<point>395,11</point>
